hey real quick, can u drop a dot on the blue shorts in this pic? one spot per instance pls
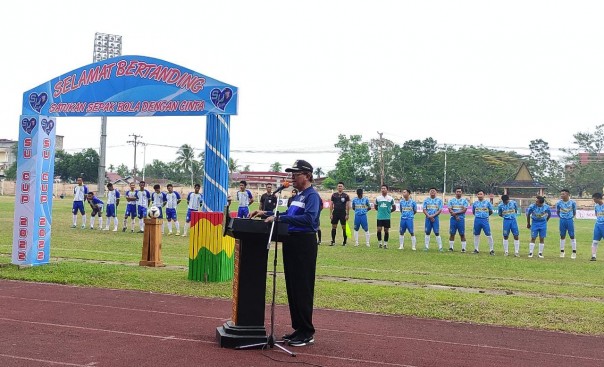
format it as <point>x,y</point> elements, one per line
<point>243,212</point>
<point>189,211</point>
<point>171,214</point>
<point>130,211</point>
<point>110,210</point>
<point>457,226</point>
<point>78,206</point>
<point>142,211</point>
<point>360,221</point>
<point>98,211</point>
<point>406,225</point>
<point>432,226</point>
<point>510,225</point>
<point>598,232</point>
<point>567,225</point>
<point>539,229</point>
<point>482,224</point>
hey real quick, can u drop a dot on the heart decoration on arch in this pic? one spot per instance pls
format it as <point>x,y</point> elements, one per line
<point>37,101</point>
<point>47,125</point>
<point>220,98</point>
<point>28,124</point>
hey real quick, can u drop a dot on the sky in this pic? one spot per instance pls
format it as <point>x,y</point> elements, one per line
<point>498,74</point>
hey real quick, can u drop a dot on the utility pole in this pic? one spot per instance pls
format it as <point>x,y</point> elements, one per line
<point>135,142</point>
<point>381,158</point>
<point>445,175</point>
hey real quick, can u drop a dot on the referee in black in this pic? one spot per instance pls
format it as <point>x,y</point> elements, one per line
<point>339,209</point>
<point>300,253</point>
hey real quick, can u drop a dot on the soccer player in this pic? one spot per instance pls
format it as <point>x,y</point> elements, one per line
<point>79,195</point>
<point>97,209</point>
<point>159,199</point>
<point>482,209</point>
<point>507,210</point>
<point>385,207</point>
<point>245,199</point>
<point>567,210</point>
<point>339,209</point>
<point>113,200</point>
<point>361,206</point>
<point>408,208</point>
<point>599,226</point>
<point>195,203</point>
<point>268,200</point>
<point>457,223</point>
<point>130,206</point>
<point>172,201</point>
<point>540,213</point>
<point>432,207</point>
<point>142,203</point>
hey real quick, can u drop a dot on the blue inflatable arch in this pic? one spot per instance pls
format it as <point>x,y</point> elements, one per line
<point>120,86</point>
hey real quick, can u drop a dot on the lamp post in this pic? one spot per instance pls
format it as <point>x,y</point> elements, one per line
<point>106,46</point>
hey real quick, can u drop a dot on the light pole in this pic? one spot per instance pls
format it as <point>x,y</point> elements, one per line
<point>445,175</point>
<point>106,46</point>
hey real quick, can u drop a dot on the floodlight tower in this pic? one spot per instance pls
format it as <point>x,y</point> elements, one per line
<point>106,46</point>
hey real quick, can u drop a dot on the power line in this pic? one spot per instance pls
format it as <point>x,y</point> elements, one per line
<point>135,142</point>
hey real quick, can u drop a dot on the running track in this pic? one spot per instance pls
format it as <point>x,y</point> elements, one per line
<point>57,325</point>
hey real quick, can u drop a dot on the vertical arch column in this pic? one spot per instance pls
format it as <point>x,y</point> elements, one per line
<point>216,166</point>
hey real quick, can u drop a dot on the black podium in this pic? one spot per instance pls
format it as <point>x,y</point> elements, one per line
<point>249,282</point>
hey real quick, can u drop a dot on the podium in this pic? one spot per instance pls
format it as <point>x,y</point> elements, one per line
<point>152,243</point>
<point>249,281</point>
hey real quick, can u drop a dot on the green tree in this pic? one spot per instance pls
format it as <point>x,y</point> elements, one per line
<point>185,156</point>
<point>276,167</point>
<point>233,165</point>
<point>354,161</point>
<point>122,170</point>
<point>329,183</point>
<point>584,172</point>
<point>319,172</point>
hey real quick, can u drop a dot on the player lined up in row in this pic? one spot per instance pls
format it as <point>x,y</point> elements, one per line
<point>138,203</point>
<point>537,217</point>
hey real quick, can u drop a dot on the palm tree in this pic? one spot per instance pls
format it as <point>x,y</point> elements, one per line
<point>185,157</point>
<point>233,165</point>
<point>319,172</point>
<point>276,167</point>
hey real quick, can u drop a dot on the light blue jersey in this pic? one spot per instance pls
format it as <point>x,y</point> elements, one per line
<point>539,213</point>
<point>432,206</point>
<point>408,208</point>
<point>360,205</point>
<point>566,209</point>
<point>509,210</point>
<point>482,208</point>
<point>599,208</point>
<point>459,206</point>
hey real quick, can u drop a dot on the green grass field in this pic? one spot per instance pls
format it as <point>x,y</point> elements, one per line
<point>550,293</point>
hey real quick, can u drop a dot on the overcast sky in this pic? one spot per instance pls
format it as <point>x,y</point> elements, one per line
<point>463,72</point>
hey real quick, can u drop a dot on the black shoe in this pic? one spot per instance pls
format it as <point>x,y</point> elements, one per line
<point>290,336</point>
<point>332,243</point>
<point>476,251</point>
<point>463,250</point>
<point>451,249</point>
<point>492,253</point>
<point>301,341</point>
<point>593,258</point>
<point>124,229</point>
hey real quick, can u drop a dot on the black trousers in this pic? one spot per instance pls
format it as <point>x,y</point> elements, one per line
<point>299,265</point>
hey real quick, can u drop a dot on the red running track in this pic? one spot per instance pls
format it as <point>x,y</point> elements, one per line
<point>57,325</point>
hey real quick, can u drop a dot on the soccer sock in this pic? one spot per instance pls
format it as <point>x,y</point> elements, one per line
<point>163,226</point>
<point>594,248</point>
<point>125,222</point>
<point>427,241</point>
<point>573,243</point>
<point>367,236</point>
<point>141,224</point>
<point>101,222</point>
<point>451,243</point>
<point>83,220</point>
<point>344,234</point>
<point>356,236</point>
<point>506,245</point>
<point>413,241</point>
<point>185,227</point>
<point>531,247</point>
<point>333,235</point>
<point>439,241</point>
<point>401,241</point>
<point>132,223</point>
<point>169,227</point>
<point>319,235</point>
<point>476,242</point>
<point>491,243</point>
<point>379,236</point>
<point>75,219</point>
<point>386,236</point>
<point>516,246</point>
<point>562,244</point>
<point>541,246</point>
<point>117,223</point>
<point>91,222</point>
<point>177,224</point>
<point>463,245</point>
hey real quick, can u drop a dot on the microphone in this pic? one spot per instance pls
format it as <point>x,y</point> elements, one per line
<point>284,185</point>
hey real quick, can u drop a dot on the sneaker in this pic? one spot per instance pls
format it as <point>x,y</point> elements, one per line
<point>73,226</point>
<point>83,226</point>
<point>132,231</point>
<point>124,229</point>
<point>332,243</point>
<point>139,231</point>
<point>290,336</point>
<point>516,254</point>
<point>356,244</point>
<point>343,243</point>
<point>401,247</point>
<point>385,246</point>
<point>413,248</point>
<point>593,258</point>
<point>106,229</point>
<point>177,234</point>
<point>90,227</point>
<point>318,242</point>
<point>380,245</point>
<point>440,249</point>
<point>573,255</point>
<point>300,341</point>
<point>169,233</point>
<point>115,229</point>
<point>463,250</point>
<point>540,255</point>
<point>368,245</point>
<point>476,251</point>
<point>492,253</point>
<point>561,253</point>
<point>505,253</point>
<point>451,249</point>
<point>530,254</point>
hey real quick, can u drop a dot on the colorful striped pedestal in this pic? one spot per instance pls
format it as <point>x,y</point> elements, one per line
<point>210,253</point>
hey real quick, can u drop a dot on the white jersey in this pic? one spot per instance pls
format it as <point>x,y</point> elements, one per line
<point>79,192</point>
<point>131,194</point>
<point>243,197</point>
<point>142,198</point>
<point>158,199</point>
<point>195,201</point>
<point>112,196</point>
<point>172,199</point>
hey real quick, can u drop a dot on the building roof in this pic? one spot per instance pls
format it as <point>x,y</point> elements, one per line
<point>523,179</point>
